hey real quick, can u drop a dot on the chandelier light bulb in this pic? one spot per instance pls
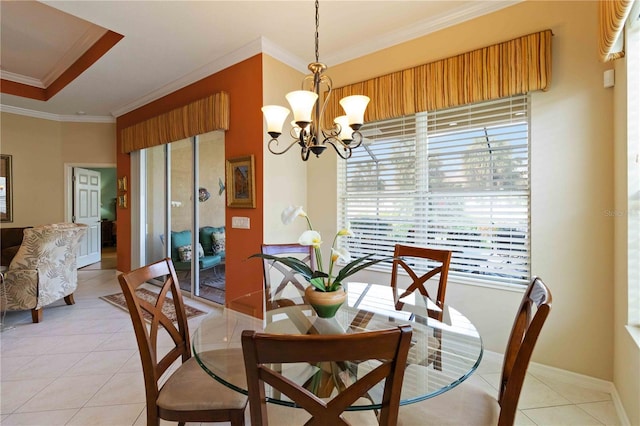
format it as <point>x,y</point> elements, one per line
<point>275,116</point>
<point>302,102</point>
<point>354,106</point>
<point>346,132</point>
<point>296,129</point>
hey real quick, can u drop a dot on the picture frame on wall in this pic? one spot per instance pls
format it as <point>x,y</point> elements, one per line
<point>122,201</point>
<point>241,182</point>
<point>6,189</point>
<point>122,183</point>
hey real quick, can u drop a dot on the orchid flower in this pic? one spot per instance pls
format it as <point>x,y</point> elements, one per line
<point>319,279</point>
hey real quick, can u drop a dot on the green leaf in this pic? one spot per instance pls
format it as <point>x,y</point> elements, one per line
<point>318,283</point>
<point>352,267</point>
<point>295,264</point>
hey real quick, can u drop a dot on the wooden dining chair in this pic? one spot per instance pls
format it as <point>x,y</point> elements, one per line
<point>388,348</point>
<point>189,394</point>
<point>404,257</point>
<point>278,278</point>
<point>468,404</point>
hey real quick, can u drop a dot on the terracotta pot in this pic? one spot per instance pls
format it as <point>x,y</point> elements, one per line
<point>326,304</point>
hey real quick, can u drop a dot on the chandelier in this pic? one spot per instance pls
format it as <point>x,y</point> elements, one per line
<point>308,110</point>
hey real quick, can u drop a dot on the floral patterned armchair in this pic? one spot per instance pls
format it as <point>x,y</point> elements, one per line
<point>44,269</point>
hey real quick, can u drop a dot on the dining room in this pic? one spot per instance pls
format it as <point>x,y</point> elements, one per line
<point>556,208</point>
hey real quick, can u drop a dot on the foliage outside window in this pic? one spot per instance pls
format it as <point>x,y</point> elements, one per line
<point>454,179</point>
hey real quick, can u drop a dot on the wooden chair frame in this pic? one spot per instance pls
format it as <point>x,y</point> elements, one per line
<point>288,274</point>
<point>401,252</point>
<point>523,338</point>
<point>388,346</point>
<point>442,256</point>
<point>147,339</point>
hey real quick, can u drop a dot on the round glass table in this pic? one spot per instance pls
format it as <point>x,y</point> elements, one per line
<point>445,349</point>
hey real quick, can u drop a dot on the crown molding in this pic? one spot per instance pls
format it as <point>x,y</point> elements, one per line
<point>22,79</point>
<point>284,56</point>
<point>435,23</point>
<point>79,48</point>
<point>57,117</point>
<point>248,50</point>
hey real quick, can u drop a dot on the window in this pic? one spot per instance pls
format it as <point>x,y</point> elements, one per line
<point>454,179</point>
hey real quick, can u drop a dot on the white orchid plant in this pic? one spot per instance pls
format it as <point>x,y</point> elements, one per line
<point>321,280</point>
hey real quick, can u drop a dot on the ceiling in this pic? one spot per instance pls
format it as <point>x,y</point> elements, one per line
<point>168,44</point>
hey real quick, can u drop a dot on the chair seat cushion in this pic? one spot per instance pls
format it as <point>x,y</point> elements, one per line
<point>190,388</point>
<point>466,404</point>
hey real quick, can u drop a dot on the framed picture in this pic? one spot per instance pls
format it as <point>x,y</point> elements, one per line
<point>241,182</point>
<point>122,183</point>
<point>122,201</point>
<point>6,189</point>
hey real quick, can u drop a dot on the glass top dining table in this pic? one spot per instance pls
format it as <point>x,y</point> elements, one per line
<point>445,349</point>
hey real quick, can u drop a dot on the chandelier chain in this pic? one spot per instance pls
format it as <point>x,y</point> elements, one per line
<point>317,25</point>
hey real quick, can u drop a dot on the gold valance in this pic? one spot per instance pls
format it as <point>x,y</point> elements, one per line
<point>611,17</point>
<point>202,116</point>
<point>510,68</point>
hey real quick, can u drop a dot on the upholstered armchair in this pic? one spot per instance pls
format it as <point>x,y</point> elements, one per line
<point>44,269</point>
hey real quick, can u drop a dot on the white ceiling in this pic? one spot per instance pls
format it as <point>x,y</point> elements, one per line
<point>168,44</point>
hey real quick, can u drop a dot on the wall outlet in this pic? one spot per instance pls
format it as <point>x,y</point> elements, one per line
<point>240,222</point>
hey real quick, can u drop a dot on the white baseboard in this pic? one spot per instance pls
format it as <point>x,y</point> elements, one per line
<point>577,379</point>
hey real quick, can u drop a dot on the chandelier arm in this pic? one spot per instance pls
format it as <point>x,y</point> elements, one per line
<point>295,141</point>
<point>304,154</point>
<point>357,138</point>
<point>345,148</point>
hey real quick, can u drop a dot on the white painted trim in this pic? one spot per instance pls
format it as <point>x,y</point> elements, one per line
<point>634,332</point>
<point>282,55</point>
<point>617,403</point>
<point>57,117</point>
<point>239,55</point>
<point>575,379</point>
<point>435,23</point>
<point>22,79</point>
<point>585,382</point>
<point>79,48</point>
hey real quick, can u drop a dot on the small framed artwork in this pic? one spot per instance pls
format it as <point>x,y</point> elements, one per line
<point>241,182</point>
<point>6,189</point>
<point>122,183</point>
<point>122,201</point>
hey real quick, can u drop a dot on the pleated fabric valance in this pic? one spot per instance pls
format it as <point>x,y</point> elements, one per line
<point>514,67</point>
<point>202,116</point>
<point>612,15</point>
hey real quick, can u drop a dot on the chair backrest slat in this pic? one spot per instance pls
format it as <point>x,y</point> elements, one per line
<point>402,253</point>
<point>389,347</point>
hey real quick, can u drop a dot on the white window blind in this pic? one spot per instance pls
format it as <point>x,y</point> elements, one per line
<point>455,179</point>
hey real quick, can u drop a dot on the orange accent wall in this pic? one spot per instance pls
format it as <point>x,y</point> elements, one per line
<point>243,83</point>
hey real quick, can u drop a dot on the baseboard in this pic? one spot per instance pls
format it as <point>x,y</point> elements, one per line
<point>581,380</point>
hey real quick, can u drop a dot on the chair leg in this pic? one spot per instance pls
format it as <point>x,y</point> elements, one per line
<point>236,418</point>
<point>36,315</point>
<point>69,299</point>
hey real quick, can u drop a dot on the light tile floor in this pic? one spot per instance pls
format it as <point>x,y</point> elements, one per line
<point>80,366</point>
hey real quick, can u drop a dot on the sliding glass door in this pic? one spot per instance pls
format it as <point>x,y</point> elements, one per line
<point>184,211</point>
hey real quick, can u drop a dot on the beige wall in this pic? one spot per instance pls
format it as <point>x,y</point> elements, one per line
<point>285,176</point>
<point>626,219</point>
<point>40,150</point>
<point>571,174</point>
<point>211,167</point>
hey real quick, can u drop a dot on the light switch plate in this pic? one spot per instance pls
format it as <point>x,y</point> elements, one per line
<point>240,222</point>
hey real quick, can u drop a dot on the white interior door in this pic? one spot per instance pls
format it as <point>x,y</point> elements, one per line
<point>86,210</point>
